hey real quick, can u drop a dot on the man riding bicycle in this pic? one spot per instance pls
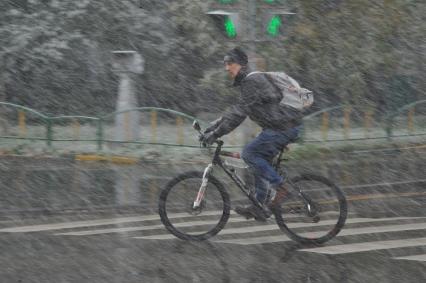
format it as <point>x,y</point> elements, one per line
<point>260,101</point>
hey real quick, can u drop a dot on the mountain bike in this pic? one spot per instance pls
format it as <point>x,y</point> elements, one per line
<point>196,206</point>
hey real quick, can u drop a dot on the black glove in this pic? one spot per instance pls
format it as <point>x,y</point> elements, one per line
<point>210,129</point>
<point>213,125</point>
<point>208,138</point>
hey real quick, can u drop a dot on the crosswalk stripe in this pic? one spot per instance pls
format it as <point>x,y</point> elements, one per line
<point>153,227</point>
<point>143,228</point>
<point>368,246</point>
<point>99,222</point>
<point>344,232</point>
<point>109,221</point>
<point>73,224</point>
<point>256,240</point>
<point>274,227</point>
<point>112,230</point>
<point>421,257</point>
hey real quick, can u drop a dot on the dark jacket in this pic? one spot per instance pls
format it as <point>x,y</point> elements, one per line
<point>259,100</point>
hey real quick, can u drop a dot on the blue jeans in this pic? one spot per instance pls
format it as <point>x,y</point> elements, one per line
<point>259,154</point>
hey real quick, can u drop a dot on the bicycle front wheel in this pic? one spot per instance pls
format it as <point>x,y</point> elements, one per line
<point>314,210</point>
<point>177,212</point>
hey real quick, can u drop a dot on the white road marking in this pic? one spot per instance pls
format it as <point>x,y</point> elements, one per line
<point>184,224</point>
<point>109,221</point>
<point>99,222</point>
<point>256,240</point>
<point>144,228</point>
<point>344,232</point>
<point>368,246</point>
<point>274,227</point>
<point>384,184</point>
<point>413,257</point>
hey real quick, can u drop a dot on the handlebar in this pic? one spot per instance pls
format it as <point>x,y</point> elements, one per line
<point>220,143</point>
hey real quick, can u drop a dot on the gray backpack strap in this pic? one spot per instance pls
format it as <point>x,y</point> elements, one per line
<point>252,73</point>
<point>271,81</point>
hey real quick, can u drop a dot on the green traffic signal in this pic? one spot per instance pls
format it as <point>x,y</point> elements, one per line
<point>274,25</point>
<point>230,29</point>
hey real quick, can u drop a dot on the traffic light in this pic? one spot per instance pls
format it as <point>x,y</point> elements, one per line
<point>275,19</point>
<point>226,15</point>
<point>260,20</point>
<point>227,22</point>
<point>275,23</point>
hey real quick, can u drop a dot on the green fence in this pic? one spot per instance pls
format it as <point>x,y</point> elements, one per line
<point>343,123</point>
<point>161,126</point>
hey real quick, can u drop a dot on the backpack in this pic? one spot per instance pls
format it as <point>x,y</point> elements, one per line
<point>292,94</point>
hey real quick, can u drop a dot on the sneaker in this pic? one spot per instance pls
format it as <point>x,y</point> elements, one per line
<point>252,211</point>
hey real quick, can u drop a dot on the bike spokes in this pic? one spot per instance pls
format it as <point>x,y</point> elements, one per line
<point>189,215</point>
<point>314,211</point>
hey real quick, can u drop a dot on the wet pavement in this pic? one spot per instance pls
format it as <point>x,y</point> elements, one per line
<point>63,221</point>
<point>134,247</point>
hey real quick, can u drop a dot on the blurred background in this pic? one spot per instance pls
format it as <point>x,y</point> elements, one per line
<point>96,104</point>
<point>365,61</point>
<point>56,56</point>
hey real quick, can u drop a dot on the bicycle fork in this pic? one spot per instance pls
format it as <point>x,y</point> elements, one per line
<point>310,206</point>
<point>203,187</point>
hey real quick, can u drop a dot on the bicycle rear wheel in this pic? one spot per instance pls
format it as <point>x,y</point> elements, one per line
<point>314,210</point>
<point>176,207</point>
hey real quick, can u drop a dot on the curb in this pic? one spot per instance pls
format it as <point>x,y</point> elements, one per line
<point>125,160</point>
<point>112,159</point>
<point>96,158</point>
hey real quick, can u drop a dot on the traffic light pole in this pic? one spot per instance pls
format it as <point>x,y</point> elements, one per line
<point>247,129</point>
<point>257,63</point>
<point>252,30</point>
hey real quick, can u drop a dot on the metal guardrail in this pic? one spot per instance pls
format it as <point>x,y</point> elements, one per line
<point>387,124</point>
<point>100,136</point>
<point>99,121</point>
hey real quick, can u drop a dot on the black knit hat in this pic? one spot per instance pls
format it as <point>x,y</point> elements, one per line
<point>236,55</point>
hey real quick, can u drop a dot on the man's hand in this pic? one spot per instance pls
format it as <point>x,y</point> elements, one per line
<point>213,125</point>
<point>208,138</point>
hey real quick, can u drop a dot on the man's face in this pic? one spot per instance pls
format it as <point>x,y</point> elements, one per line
<point>232,69</point>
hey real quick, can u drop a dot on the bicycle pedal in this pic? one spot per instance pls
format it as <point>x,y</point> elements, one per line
<point>316,219</point>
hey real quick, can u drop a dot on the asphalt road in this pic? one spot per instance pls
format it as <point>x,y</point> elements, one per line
<point>75,223</point>
<point>374,246</point>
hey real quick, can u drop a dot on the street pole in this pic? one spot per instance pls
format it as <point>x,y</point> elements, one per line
<point>127,64</point>
<point>252,32</point>
<point>249,127</point>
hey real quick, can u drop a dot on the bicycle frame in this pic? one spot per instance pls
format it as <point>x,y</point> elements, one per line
<point>217,161</point>
<point>234,177</point>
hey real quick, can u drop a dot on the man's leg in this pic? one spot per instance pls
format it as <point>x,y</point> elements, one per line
<point>259,153</point>
<point>262,188</point>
